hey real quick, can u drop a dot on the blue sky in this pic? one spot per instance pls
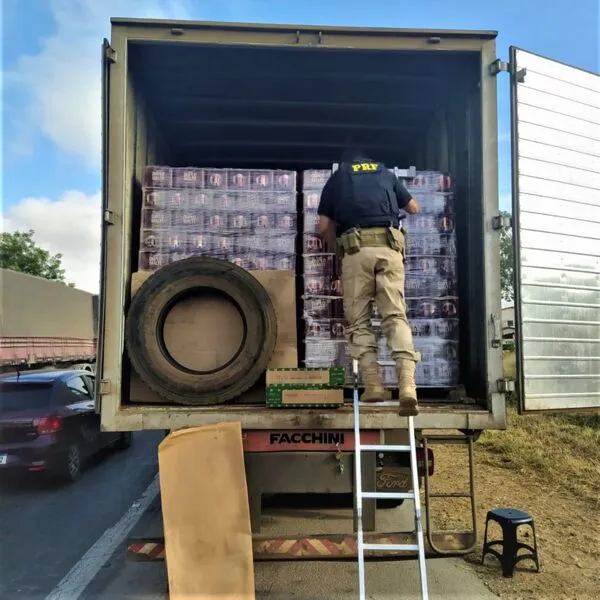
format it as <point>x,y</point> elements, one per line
<point>51,76</point>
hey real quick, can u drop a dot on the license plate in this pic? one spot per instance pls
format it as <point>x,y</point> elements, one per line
<point>3,459</point>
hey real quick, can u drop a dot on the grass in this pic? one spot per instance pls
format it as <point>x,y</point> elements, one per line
<point>562,449</point>
<point>509,361</point>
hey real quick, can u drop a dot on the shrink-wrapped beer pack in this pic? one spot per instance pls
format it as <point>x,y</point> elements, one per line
<point>245,216</point>
<point>431,284</point>
<point>323,315</point>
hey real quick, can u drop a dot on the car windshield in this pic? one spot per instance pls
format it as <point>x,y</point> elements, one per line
<point>24,396</point>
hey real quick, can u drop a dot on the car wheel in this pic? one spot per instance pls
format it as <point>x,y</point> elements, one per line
<point>71,468</point>
<point>125,441</point>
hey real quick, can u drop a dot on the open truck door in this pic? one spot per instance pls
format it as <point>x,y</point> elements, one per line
<point>555,113</point>
<point>107,60</point>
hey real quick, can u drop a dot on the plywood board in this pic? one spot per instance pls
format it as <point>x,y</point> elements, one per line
<point>140,393</point>
<point>206,516</point>
<point>281,287</point>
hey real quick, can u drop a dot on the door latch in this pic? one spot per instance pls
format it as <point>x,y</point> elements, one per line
<point>338,457</point>
<point>501,222</point>
<point>506,386</point>
<point>497,331</point>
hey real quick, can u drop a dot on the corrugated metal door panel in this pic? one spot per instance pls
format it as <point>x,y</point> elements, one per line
<point>556,211</point>
<point>106,61</point>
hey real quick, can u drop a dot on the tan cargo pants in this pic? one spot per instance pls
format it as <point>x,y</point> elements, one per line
<point>376,272</point>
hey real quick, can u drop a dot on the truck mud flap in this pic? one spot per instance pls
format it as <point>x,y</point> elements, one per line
<point>213,383</point>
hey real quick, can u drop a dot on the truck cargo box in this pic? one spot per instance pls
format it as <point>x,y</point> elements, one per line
<point>43,321</point>
<point>292,97</point>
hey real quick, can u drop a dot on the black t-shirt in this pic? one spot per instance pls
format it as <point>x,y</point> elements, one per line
<point>331,202</point>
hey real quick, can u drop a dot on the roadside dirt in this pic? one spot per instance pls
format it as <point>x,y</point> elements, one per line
<point>568,527</point>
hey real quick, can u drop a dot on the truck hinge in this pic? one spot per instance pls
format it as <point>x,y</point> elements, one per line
<point>498,66</point>
<point>104,387</point>
<point>108,217</point>
<point>110,54</point>
<point>505,386</point>
<point>501,222</point>
<point>520,75</point>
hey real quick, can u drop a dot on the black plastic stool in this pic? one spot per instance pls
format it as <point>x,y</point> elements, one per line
<point>510,519</point>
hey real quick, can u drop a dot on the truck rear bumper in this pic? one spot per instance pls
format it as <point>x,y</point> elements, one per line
<point>319,547</point>
<point>382,416</point>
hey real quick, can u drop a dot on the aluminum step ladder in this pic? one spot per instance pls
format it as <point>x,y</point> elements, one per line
<point>359,448</point>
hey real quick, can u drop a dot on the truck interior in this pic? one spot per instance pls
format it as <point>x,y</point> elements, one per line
<point>297,108</point>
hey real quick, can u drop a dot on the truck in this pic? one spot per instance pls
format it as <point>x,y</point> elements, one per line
<point>45,324</point>
<point>237,95</point>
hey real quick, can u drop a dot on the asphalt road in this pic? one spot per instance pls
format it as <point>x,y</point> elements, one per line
<point>68,542</point>
<point>297,580</point>
<point>45,529</point>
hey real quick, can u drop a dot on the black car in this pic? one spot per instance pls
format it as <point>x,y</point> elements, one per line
<point>48,423</point>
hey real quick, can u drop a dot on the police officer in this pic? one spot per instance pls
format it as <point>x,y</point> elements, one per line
<point>360,213</point>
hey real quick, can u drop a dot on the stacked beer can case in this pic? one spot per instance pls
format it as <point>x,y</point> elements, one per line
<point>430,286</point>
<point>247,217</point>
<point>323,315</point>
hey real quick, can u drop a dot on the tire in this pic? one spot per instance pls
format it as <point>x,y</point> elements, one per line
<point>147,314</point>
<point>70,469</point>
<point>125,441</point>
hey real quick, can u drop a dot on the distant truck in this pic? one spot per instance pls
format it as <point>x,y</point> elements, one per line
<point>232,95</point>
<point>45,324</point>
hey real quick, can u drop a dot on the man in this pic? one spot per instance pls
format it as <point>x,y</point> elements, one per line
<point>361,208</point>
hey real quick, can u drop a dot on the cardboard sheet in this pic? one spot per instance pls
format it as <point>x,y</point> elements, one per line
<point>281,287</point>
<point>140,393</point>
<point>206,517</point>
<point>203,333</point>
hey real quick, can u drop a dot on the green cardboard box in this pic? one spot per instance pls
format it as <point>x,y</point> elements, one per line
<point>332,377</point>
<point>288,396</point>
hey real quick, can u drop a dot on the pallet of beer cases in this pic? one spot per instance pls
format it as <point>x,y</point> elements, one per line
<point>245,216</point>
<point>431,284</point>
<point>323,315</point>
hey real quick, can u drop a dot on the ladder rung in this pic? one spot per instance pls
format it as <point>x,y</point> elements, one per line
<point>392,547</point>
<point>390,495</point>
<point>383,448</point>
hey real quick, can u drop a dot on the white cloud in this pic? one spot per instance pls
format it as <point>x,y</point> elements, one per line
<point>63,80</point>
<point>62,85</point>
<point>69,225</point>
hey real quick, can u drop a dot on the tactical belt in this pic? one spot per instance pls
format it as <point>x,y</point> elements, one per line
<point>353,240</point>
